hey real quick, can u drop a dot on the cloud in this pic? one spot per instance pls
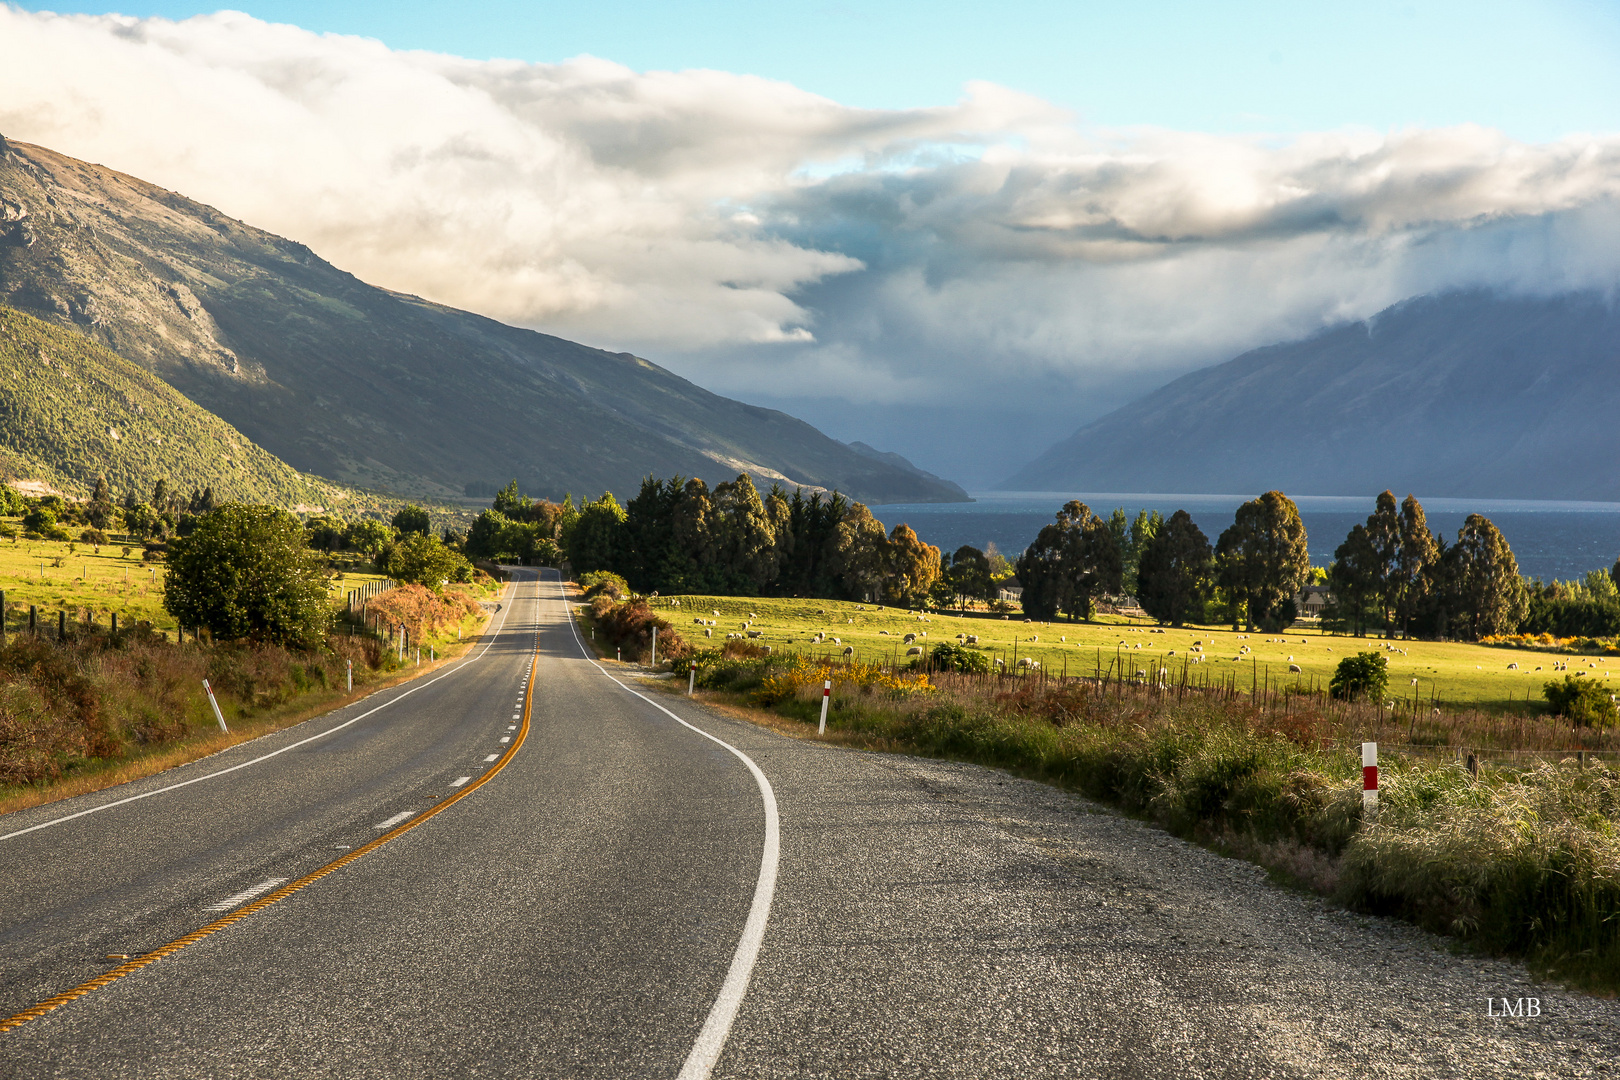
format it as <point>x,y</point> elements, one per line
<point>770,242</point>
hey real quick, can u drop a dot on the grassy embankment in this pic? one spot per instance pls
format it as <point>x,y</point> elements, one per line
<point>100,710</point>
<point>1522,859</point>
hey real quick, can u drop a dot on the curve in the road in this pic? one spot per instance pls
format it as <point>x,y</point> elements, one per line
<point>712,1038</point>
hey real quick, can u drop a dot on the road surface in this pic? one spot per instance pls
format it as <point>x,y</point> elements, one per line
<point>608,897</point>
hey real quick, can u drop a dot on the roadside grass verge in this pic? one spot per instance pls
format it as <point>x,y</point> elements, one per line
<point>1520,859</point>
<point>101,709</point>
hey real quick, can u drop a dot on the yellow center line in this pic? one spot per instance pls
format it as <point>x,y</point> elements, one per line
<point>286,890</point>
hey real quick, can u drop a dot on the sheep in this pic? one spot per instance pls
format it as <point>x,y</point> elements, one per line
<point>883,632</point>
<point>708,633</point>
<point>1172,652</point>
<point>909,638</point>
<point>1294,668</point>
<point>837,642</point>
<point>973,639</point>
<point>1002,664</point>
<point>821,611</point>
<point>1029,665</point>
<point>959,637</point>
<point>913,651</point>
<point>1290,659</point>
<point>767,650</point>
<point>1513,666</point>
<point>849,652</point>
<point>756,633</point>
<point>716,611</point>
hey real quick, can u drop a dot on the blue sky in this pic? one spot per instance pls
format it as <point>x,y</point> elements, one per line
<point>1535,70</point>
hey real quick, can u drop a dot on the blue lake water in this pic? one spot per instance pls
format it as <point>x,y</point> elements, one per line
<point>1551,540</point>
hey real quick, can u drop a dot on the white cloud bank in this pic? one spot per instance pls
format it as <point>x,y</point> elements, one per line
<point>768,241</point>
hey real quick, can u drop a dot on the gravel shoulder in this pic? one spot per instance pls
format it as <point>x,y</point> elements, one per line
<point>936,918</point>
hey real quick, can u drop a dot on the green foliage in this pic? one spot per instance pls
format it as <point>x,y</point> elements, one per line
<point>1362,676</point>
<point>947,656</point>
<point>968,577</point>
<point>594,539</point>
<point>412,519</point>
<point>76,413</point>
<point>604,583</point>
<point>419,559</point>
<point>368,536</point>
<point>1487,595</point>
<point>1072,562</point>
<point>247,572</point>
<point>1262,559</point>
<point>1585,701</point>
<point>1173,573</point>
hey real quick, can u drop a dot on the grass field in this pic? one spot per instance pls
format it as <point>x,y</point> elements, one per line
<point>104,583</point>
<point>1450,673</point>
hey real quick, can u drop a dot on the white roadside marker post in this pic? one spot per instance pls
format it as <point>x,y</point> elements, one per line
<point>348,675</point>
<point>655,646</point>
<point>217,714</point>
<point>618,654</point>
<point>1369,781</point>
<point>826,699</point>
<point>691,680</point>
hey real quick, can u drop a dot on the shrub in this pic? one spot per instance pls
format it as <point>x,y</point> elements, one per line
<point>949,657</point>
<point>1364,675</point>
<point>604,583</point>
<point>1583,700</point>
<point>629,626</point>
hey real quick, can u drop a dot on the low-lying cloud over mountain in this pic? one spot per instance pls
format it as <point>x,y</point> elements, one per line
<point>964,284</point>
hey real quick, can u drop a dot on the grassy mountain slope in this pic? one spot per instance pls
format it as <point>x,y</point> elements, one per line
<point>1468,394</point>
<point>71,410</point>
<point>369,387</point>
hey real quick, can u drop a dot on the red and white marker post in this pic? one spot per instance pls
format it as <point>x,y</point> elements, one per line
<point>691,680</point>
<point>1369,781</point>
<point>217,714</point>
<point>826,699</point>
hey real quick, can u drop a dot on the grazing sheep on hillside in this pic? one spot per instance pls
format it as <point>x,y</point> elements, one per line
<point>708,633</point>
<point>973,639</point>
<point>756,633</point>
<point>1513,666</point>
<point>1001,664</point>
<point>913,651</point>
<point>716,611</point>
<point>1294,668</point>
<point>837,642</point>
<point>909,638</point>
<point>849,651</point>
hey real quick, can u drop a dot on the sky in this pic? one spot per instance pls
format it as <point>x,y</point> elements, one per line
<point>954,231</point>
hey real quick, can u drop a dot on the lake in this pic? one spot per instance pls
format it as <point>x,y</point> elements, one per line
<point>1551,540</point>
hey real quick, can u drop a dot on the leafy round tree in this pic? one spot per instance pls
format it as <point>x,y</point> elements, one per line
<point>248,572</point>
<point>1364,675</point>
<point>420,559</point>
<point>1263,559</point>
<point>1488,594</point>
<point>413,519</point>
<point>1072,561</point>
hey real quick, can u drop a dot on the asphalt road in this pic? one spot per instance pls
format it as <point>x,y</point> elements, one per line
<point>591,910</point>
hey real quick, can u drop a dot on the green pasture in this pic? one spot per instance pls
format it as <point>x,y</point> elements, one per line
<point>104,582</point>
<point>1454,673</point>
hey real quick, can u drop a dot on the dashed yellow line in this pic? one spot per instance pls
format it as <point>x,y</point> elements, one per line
<point>286,890</point>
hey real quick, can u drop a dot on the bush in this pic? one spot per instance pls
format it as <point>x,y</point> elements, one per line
<point>629,626</point>
<point>1583,700</point>
<point>1364,675</point>
<point>948,657</point>
<point>420,559</point>
<point>248,572</point>
<point>604,583</point>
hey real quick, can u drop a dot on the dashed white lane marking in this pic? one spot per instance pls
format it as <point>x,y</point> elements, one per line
<point>247,894</point>
<point>511,727</point>
<point>395,820</point>
<point>516,716</point>
<point>492,757</point>
<point>461,781</point>
<point>506,738</point>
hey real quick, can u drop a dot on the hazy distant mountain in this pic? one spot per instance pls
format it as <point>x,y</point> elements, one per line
<point>364,386</point>
<point>904,464</point>
<point>1465,394</point>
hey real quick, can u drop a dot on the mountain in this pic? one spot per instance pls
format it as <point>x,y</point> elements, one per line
<point>1469,394</point>
<point>369,387</point>
<point>901,463</point>
<point>71,410</point>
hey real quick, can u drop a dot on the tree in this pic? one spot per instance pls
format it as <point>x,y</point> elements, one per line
<point>969,576</point>
<point>509,502</point>
<point>1384,536</point>
<point>325,533</point>
<point>1174,569</point>
<point>413,519</point>
<point>1072,561</point>
<point>594,539</point>
<point>1487,595</point>
<point>1356,579</point>
<point>910,567</point>
<point>1416,553</point>
<point>248,572</point>
<point>1364,675</point>
<point>420,559</point>
<point>100,510</point>
<point>1262,559</point>
<point>855,562</point>
<point>368,536</point>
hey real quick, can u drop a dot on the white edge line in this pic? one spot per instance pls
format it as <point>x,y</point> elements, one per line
<point>460,665</point>
<point>712,1038</point>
